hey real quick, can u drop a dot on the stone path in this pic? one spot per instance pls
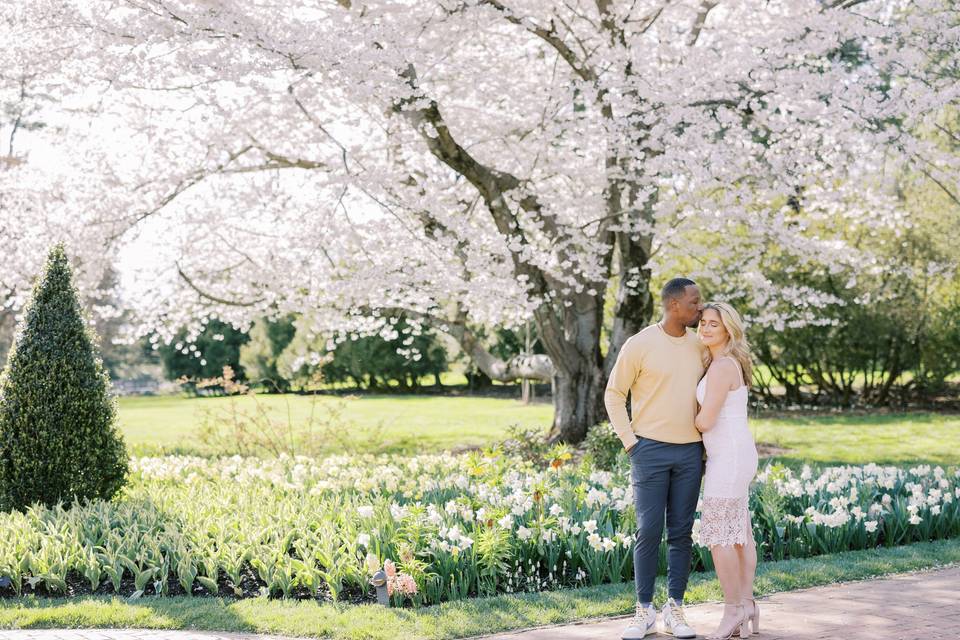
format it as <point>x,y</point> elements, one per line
<point>916,606</point>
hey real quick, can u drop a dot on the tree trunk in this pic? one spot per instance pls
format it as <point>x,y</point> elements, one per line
<point>580,379</point>
<point>570,336</point>
<point>634,302</point>
<point>577,402</point>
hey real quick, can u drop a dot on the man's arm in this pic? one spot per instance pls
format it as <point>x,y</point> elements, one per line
<point>624,374</point>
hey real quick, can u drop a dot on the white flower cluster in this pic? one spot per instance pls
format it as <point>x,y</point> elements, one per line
<point>841,496</point>
<point>483,522</point>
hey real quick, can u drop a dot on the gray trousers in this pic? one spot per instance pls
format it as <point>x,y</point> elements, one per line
<point>666,480</point>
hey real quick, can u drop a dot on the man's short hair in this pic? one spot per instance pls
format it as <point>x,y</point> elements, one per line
<point>674,289</point>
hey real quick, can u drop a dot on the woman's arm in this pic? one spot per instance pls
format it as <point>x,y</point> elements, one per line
<point>723,374</point>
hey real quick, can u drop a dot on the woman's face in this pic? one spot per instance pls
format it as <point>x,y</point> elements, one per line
<point>712,332</point>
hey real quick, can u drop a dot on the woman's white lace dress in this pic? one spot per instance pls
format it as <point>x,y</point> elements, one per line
<point>731,465</point>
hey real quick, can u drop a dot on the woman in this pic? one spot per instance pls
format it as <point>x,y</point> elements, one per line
<point>731,464</point>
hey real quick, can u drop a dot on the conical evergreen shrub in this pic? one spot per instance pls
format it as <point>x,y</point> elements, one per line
<point>58,435</point>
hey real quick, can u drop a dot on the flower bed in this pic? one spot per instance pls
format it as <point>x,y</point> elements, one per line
<point>450,526</point>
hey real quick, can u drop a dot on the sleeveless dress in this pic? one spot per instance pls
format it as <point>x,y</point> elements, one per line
<point>731,464</point>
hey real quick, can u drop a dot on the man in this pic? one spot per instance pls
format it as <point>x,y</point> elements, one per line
<point>660,366</point>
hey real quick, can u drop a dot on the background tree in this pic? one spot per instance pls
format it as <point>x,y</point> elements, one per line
<point>205,355</point>
<point>488,163</point>
<point>46,197</point>
<point>259,355</point>
<point>58,434</point>
<point>374,362</point>
<point>874,330</point>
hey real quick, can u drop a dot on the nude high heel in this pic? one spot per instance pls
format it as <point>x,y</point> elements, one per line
<point>739,626</point>
<point>753,614</point>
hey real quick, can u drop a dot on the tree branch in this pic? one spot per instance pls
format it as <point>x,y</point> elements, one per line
<point>551,37</point>
<point>209,296</point>
<point>953,196</point>
<point>275,162</point>
<point>705,7</point>
<point>530,366</point>
<point>493,185</point>
<point>19,118</point>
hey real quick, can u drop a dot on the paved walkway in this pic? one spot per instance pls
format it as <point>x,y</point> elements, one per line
<point>916,606</point>
<point>913,606</point>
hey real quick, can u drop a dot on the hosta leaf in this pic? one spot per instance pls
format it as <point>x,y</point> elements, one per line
<point>142,578</point>
<point>208,584</point>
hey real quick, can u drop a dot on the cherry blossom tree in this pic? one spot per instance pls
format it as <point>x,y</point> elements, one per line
<point>475,162</point>
<point>49,154</point>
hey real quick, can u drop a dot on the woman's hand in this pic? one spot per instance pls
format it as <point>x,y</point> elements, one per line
<point>699,423</point>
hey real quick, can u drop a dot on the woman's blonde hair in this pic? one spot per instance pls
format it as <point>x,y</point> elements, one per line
<point>737,346</point>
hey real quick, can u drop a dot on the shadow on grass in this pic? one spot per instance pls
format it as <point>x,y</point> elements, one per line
<point>134,520</point>
<point>452,619</point>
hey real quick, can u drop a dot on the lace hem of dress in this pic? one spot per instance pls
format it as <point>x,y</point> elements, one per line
<point>724,521</point>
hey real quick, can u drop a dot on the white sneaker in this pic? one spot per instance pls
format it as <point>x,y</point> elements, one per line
<point>643,623</point>
<point>674,622</point>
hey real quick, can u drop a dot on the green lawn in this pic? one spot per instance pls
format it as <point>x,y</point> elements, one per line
<point>432,423</point>
<point>456,619</point>
<point>884,438</point>
<point>409,423</point>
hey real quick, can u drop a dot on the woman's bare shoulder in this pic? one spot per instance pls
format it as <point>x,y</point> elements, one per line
<point>724,369</point>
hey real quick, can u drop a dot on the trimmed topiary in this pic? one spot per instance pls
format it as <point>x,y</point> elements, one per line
<point>58,434</point>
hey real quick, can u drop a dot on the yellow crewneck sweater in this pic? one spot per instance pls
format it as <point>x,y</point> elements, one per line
<point>661,373</point>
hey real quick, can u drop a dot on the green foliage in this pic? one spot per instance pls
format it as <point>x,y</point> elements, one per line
<point>527,443</point>
<point>58,437</point>
<point>886,331</point>
<point>873,354</point>
<point>511,342</point>
<point>477,616</point>
<point>892,338</point>
<point>889,334</point>
<point>603,446</point>
<point>217,346</point>
<point>484,523</point>
<point>374,363</point>
<point>259,356</point>
<point>365,362</point>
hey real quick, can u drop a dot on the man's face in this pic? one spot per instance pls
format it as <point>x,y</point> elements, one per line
<point>688,307</point>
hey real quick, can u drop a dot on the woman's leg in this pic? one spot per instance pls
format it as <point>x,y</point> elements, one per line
<point>747,556</point>
<point>747,560</point>
<point>727,563</point>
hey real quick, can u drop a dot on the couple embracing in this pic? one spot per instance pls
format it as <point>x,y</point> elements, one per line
<point>688,396</point>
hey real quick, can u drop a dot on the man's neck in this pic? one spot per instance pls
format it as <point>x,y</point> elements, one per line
<point>672,327</point>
